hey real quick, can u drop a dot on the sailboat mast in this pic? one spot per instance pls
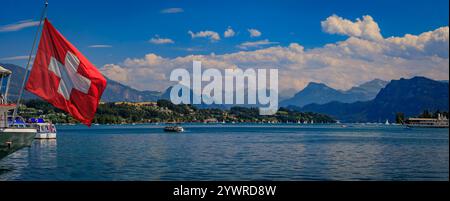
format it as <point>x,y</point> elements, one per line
<point>43,14</point>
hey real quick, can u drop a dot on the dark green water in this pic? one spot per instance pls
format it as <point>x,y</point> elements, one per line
<point>234,152</point>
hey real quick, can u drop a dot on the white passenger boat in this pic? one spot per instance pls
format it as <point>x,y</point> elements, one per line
<point>439,122</point>
<point>45,130</point>
<point>14,134</point>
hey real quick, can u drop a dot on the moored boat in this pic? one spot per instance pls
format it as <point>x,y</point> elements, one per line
<point>45,130</point>
<point>439,122</point>
<point>13,139</point>
<point>13,134</point>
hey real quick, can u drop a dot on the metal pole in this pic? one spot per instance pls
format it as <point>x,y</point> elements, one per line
<point>29,61</point>
<point>1,90</point>
<point>7,89</point>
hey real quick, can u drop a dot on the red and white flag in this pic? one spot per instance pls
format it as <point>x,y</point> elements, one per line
<point>62,76</point>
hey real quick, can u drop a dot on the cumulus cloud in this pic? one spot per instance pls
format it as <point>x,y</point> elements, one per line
<point>341,65</point>
<point>213,36</point>
<point>254,44</point>
<point>18,25</point>
<point>366,28</point>
<point>172,10</point>
<point>428,43</point>
<point>157,40</point>
<point>229,33</point>
<point>254,33</point>
<point>115,72</point>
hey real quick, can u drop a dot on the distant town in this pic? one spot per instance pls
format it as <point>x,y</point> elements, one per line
<point>164,111</point>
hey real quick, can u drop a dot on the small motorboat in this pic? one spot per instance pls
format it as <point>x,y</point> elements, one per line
<point>45,130</point>
<point>175,129</point>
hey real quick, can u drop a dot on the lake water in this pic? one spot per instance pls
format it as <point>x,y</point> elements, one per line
<point>234,152</point>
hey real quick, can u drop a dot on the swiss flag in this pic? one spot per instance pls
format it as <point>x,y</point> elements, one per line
<point>62,76</point>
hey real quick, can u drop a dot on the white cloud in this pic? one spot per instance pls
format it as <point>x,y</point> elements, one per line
<point>366,28</point>
<point>18,25</point>
<point>172,10</point>
<point>14,58</point>
<point>254,33</point>
<point>254,44</point>
<point>157,40</point>
<point>229,33</point>
<point>341,65</point>
<point>115,73</point>
<point>100,46</point>
<point>428,43</point>
<point>213,36</point>
<point>193,49</point>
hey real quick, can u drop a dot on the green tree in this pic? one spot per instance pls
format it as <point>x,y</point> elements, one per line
<point>399,117</point>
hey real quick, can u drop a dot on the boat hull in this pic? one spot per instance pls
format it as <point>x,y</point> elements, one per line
<point>426,126</point>
<point>45,136</point>
<point>12,140</point>
<point>174,129</point>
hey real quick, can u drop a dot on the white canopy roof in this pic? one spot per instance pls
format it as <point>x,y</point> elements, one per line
<point>4,71</point>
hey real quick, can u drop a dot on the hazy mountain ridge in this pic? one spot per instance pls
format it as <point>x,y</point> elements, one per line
<point>409,96</point>
<point>320,94</point>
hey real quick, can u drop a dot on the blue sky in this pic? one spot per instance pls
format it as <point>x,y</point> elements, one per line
<point>127,26</point>
<point>338,43</point>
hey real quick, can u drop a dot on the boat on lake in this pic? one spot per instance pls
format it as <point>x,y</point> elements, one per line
<point>174,129</point>
<point>45,130</point>
<point>14,132</point>
<point>439,122</point>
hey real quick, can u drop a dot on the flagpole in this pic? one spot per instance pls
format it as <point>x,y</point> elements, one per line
<point>43,14</point>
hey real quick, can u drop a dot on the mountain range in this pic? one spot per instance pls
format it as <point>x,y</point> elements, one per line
<point>376,100</point>
<point>408,96</point>
<point>320,94</point>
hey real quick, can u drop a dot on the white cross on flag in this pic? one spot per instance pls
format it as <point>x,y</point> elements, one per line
<point>70,78</point>
<point>62,76</point>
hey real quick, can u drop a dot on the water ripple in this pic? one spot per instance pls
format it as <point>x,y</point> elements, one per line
<point>234,152</point>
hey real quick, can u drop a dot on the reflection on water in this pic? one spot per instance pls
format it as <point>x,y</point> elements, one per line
<point>13,165</point>
<point>234,152</point>
<point>44,153</point>
<point>41,155</point>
